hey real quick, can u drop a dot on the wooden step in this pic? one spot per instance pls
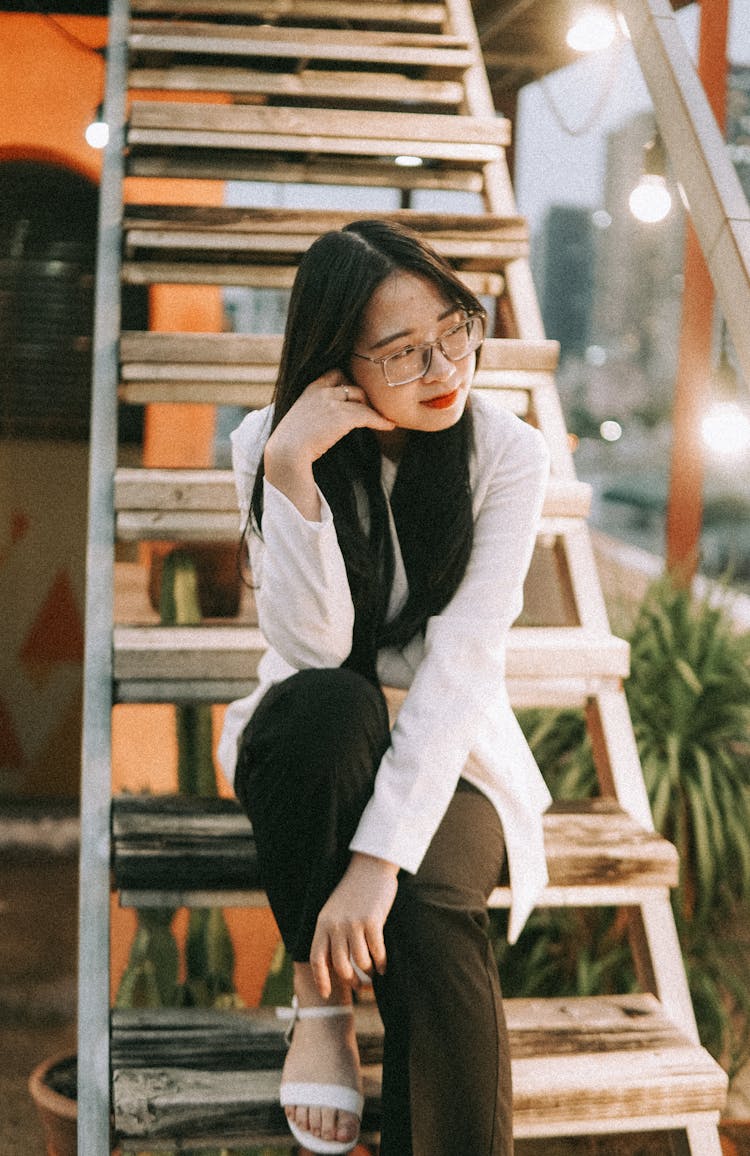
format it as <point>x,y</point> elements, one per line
<point>423,17</point>
<point>466,139</point>
<point>201,505</point>
<point>236,369</point>
<point>224,140</point>
<point>219,663</point>
<point>399,49</point>
<point>580,1066</point>
<point>175,851</point>
<point>312,87</point>
<point>189,243</point>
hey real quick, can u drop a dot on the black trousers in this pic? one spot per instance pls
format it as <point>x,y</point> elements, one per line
<point>305,772</point>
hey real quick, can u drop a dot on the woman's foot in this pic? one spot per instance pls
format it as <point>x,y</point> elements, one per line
<point>323,1051</point>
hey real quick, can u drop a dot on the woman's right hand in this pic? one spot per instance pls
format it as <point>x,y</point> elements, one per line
<point>328,409</point>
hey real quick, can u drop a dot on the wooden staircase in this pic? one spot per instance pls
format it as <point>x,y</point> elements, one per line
<point>331,92</point>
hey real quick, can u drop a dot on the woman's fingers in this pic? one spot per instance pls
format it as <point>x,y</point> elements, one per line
<point>319,964</point>
<point>341,949</point>
<point>376,947</point>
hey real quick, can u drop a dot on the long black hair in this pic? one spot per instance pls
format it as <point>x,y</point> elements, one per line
<point>431,498</point>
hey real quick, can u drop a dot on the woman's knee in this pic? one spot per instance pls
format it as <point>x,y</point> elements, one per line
<point>315,722</point>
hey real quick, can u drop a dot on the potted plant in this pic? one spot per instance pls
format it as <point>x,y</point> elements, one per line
<point>689,699</point>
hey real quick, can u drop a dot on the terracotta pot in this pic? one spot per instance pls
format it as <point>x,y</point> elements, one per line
<point>58,1113</point>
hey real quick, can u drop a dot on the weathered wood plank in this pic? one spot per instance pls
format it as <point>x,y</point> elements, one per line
<point>202,504</point>
<point>340,88</point>
<point>179,844</point>
<point>312,170</point>
<point>354,12</point>
<point>253,390</point>
<point>232,652</point>
<point>235,369</point>
<point>139,347</point>
<point>279,129</point>
<point>578,1064</point>
<point>155,272</point>
<point>400,49</point>
<point>253,1038</point>
<point>177,233</point>
<point>236,38</point>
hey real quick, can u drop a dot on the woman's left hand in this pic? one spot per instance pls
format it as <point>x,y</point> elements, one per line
<point>350,925</point>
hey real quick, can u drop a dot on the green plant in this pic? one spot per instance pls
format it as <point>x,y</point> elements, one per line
<point>689,699</point>
<point>151,977</point>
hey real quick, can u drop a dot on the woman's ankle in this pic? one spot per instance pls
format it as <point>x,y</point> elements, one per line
<point>308,995</point>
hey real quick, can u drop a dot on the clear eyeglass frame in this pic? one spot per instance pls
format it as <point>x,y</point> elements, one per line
<point>474,324</point>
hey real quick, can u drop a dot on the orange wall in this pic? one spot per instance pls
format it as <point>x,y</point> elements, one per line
<point>51,87</point>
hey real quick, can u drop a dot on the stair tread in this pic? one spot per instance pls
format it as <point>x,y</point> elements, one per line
<point>236,350</point>
<point>233,651</point>
<point>323,125</point>
<point>360,11</point>
<point>575,1061</point>
<point>202,504</point>
<point>242,164</point>
<point>237,38</point>
<point>220,130</point>
<point>342,87</point>
<point>175,843</point>
<point>480,242</point>
<point>400,49</point>
<point>238,369</point>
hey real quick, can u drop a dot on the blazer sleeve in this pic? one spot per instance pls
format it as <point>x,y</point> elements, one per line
<point>461,676</point>
<point>305,609</point>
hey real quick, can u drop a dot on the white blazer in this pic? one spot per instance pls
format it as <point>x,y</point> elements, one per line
<point>455,719</point>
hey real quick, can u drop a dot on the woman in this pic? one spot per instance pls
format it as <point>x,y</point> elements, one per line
<point>390,520</point>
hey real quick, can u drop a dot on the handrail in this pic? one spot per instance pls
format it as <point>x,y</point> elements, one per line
<point>94,890</point>
<point>718,206</point>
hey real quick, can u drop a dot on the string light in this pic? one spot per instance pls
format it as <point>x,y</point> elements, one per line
<point>97,131</point>
<point>651,200</point>
<point>725,427</point>
<point>593,31</point>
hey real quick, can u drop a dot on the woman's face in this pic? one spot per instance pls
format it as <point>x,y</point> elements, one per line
<point>407,310</point>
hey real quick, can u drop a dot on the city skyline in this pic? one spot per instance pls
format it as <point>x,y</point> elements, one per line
<point>554,167</point>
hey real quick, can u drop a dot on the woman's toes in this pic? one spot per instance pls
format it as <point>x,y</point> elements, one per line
<point>347,1128</point>
<point>314,1117</point>
<point>328,1123</point>
<point>302,1118</point>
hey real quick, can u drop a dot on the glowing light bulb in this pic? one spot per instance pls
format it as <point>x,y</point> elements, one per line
<point>650,200</point>
<point>97,133</point>
<point>407,162</point>
<point>726,429</point>
<point>611,430</point>
<point>593,31</point>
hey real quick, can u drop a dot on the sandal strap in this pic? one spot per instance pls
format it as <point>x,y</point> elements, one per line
<point>336,1096</point>
<point>295,1012</point>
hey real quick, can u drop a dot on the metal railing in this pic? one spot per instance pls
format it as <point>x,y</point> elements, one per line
<point>699,157</point>
<point>96,780</point>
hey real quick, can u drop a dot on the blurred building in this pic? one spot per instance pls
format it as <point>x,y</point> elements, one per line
<point>738,123</point>
<point>565,268</point>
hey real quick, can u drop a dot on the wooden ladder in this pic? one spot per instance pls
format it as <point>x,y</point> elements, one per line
<point>330,92</point>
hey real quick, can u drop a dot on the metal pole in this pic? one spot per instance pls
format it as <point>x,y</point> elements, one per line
<point>685,500</point>
<point>96,785</point>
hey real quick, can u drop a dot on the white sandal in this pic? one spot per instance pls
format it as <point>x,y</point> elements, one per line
<point>338,1096</point>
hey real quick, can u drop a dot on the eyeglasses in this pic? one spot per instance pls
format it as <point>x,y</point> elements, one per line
<point>414,361</point>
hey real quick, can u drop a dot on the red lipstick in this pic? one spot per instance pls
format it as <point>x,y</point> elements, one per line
<point>443,402</point>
